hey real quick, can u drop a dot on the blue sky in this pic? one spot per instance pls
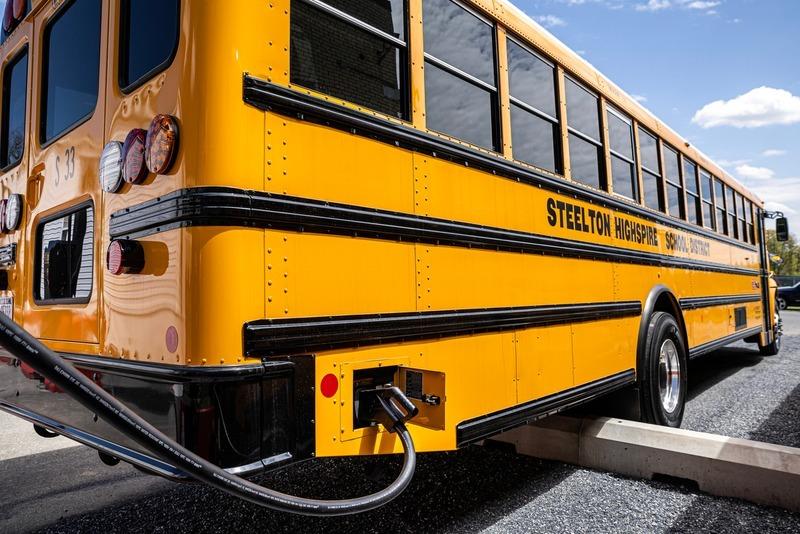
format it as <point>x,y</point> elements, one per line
<point>723,73</point>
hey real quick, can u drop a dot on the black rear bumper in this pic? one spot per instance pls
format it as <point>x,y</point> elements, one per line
<point>247,419</point>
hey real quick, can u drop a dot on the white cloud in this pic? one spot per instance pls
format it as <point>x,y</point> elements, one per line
<point>754,173</point>
<point>700,4</point>
<point>550,21</point>
<point>773,152</point>
<point>780,194</point>
<point>732,162</point>
<point>639,98</point>
<point>763,106</point>
<point>654,5</point>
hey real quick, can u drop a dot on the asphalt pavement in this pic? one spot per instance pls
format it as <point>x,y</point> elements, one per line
<point>52,486</point>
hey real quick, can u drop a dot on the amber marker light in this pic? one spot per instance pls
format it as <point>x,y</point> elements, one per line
<point>3,207</point>
<point>162,144</point>
<point>134,169</point>
<point>110,171</point>
<point>13,213</point>
<point>125,256</point>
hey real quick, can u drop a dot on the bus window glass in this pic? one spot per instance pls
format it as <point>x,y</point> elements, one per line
<point>585,146</point>
<point>648,150</point>
<point>64,257</point>
<point>719,200</point>
<point>15,84</point>
<point>460,91</point>
<point>388,16</point>
<point>332,55</point>
<point>750,228</point>
<point>651,171</point>
<point>742,221</point>
<point>534,127</point>
<point>693,207</point>
<point>730,204</point>
<point>623,166</point>
<point>148,39</point>
<point>674,190</point>
<point>71,67</point>
<point>709,217</point>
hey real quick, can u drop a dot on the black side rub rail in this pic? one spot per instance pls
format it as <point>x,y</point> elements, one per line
<point>694,303</point>
<point>711,346</point>
<point>225,206</point>
<point>489,425</point>
<point>271,97</point>
<point>304,335</point>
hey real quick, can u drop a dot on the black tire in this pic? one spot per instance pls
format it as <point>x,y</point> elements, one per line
<point>772,349</point>
<point>781,304</point>
<point>663,328</point>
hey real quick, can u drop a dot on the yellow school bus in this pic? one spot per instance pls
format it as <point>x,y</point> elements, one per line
<point>239,217</point>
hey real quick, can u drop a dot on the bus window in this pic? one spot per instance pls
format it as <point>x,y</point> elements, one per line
<point>651,171</point>
<point>740,207</point>
<point>64,257</point>
<point>674,190</point>
<point>719,199</point>
<point>71,66</point>
<point>585,147</point>
<point>460,86</point>
<point>708,206</point>
<point>751,233</point>
<point>534,126</point>
<point>148,39</point>
<point>730,204</point>
<point>359,58</point>
<point>693,207</point>
<point>12,137</point>
<point>623,173</point>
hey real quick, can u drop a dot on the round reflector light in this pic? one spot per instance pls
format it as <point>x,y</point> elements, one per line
<point>3,205</point>
<point>329,385</point>
<point>125,256</point>
<point>13,215</point>
<point>20,7</point>
<point>8,17</point>
<point>162,144</point>
<point>111,167</point>
<point>134,169</point>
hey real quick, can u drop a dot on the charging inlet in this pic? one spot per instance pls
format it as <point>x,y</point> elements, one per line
<point>386,405</point>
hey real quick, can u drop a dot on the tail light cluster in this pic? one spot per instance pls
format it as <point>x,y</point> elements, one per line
<point>10,213</point>
<point>143,152</point>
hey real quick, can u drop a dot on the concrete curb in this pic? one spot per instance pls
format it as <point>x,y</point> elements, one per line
<point>728,467</point>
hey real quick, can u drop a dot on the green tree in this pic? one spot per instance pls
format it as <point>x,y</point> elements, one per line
<point>789,252</point>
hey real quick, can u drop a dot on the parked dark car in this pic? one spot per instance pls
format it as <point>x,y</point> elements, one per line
<point>789,296</point>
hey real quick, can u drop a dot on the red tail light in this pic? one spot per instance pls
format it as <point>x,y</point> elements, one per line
<point>134,169</point>
<point>125,257</point>
<point>162,144</point>
<point>20,9</point>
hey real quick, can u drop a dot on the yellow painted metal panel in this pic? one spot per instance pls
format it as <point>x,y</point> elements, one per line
<point>544,361</point>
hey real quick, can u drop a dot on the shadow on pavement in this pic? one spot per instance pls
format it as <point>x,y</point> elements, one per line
<point>709,370</point>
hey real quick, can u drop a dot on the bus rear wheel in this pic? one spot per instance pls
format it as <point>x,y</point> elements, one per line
<point>662,376</point>
<point>772,349</point>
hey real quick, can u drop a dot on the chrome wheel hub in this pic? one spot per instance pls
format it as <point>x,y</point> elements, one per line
<point>669,375</point>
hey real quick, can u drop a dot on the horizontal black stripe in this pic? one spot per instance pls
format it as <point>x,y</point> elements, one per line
<point>8,255</point>
<point>305,335</point>
<point>224,206</point>
<point>271,97</point>
<point>711,346</point>
<point>489,425</point>
<point>709,302</point>
<point>177,373</point>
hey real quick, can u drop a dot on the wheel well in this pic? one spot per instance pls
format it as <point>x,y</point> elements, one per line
<point>661,299</point>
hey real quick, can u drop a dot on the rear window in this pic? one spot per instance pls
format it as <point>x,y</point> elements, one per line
<point>12,135</point>
<point>71,63</point>
<point>148,39</point>
<point>64,256</point>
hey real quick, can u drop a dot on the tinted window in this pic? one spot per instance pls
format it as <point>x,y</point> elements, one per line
<point>335,57</point>
<point>648,149</point>
<point>532,80</point>
<point>460,109</point>
<point>585,161</point>
<point>386,15</point>
<point>534,128</point>
<point>705,185</point>
<point>582,111</point>
<point>623,173</point>
<point>671,166</point>
<point>674,200</point>
<point>64,257</point>
<point>690,176</point>
<point>674,189</point>
<point>653,197</point>
<point>148,38</point>
<point>15,84</point>
<point>620,135</point>
<point>534,139</point>
<point>459,38</point>
<point>71,54</point>
<point>460,91</point>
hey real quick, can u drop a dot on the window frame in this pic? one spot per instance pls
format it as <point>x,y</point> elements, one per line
<point>646,172</point>
<point>667,182</point>
<point>696,196</point>
<point>13,61</point>
<point>37,254</point>
<point>637,198</point>
<point>733,230</point>
<point>124,43</point>
<point>701,173</point>
<point>494,91</point>
<point>599,144</point>
<point>44,62</point>
<point>524,106</point>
